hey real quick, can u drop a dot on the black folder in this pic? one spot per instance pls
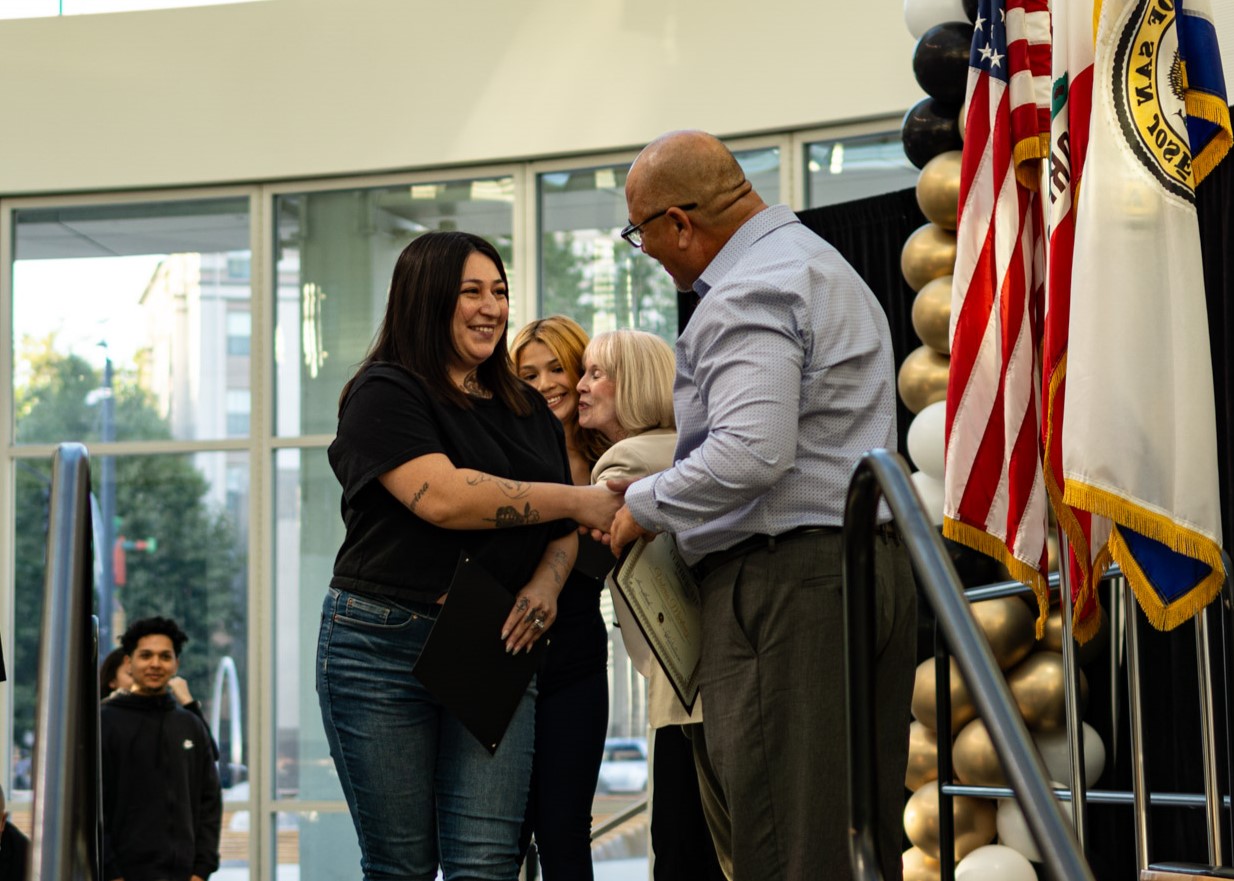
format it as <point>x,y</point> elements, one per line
<point>594,560</point>
<point>464,663</point>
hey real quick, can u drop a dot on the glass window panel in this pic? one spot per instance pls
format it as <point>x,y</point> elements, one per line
<point>762,167</point>
<point>315,846</point>
<point>853,168</point>
<point>589,273</point>
<point>336,252</point>
<point>175,551</point>
<point>233,844</point>
<point>239,332</point>
<point>238,406</point>
<point>307,532</point>
<point>132,302</point>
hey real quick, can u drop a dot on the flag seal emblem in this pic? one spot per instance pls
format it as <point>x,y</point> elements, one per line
<point>1149,92</point>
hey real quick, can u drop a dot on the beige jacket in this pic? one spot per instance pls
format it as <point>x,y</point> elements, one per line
<point>636,457</point>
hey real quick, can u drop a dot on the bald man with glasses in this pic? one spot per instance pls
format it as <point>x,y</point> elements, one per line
<point>784,379</point>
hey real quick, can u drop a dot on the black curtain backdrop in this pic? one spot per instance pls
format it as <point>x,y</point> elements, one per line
<point>870,233</point>
<point>1215,204</point>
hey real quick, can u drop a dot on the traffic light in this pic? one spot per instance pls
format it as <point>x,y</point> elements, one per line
<point>120,555</point>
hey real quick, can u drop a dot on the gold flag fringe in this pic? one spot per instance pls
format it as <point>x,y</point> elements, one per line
<point>993,546</point>
<point>1028,151</point>
<point>1211,109</point>
<point>1162,615</point>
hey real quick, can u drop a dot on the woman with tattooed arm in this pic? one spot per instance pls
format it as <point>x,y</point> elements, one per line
<point>440,449</point>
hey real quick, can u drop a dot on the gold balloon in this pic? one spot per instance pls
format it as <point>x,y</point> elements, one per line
<point>1052,641</point>
<point>975,759</point>
<point>923,378</point>
<point>925,707</point>
<point>928,253</point>
<point>922,756</point>
<point>919,866</point>
<point>1009,628</point>
<point>974,821</point>
<point>1037,687</point>
<point>938,189</point>
<point>1052,638</point>
<point>932,314</point>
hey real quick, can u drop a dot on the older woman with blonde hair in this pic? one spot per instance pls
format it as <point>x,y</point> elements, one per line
<point>626,394</point>
<point>632,372</point>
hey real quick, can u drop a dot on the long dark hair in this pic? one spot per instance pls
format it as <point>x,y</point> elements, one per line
<point>415,333</point>
<point>107,673</point>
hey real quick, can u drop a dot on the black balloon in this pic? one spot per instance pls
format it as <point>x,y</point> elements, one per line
<point>940,61</point>
<point>929,128</point>
<point>970,9</point>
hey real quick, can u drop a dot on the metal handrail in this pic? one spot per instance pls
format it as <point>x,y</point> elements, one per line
<point>619,818</point>
<point>66,831</point>
<point>881,474</point>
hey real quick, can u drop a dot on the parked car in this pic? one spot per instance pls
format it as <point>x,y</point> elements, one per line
<point>624,767</point>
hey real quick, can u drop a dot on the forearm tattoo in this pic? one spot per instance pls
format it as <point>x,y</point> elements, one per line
<point>511,516</point>
<point>557,564</point>
<point>511,489</point>
<point>415,500</point>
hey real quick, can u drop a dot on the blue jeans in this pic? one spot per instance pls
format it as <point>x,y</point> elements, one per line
<point>421,788</point>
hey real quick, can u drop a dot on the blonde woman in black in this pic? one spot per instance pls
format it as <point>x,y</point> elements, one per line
<point>572,706</point>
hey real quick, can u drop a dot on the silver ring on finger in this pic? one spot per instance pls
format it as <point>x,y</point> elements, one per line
<point>538,623</point>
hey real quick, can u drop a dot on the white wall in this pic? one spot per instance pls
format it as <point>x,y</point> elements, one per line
<point>291,88</point>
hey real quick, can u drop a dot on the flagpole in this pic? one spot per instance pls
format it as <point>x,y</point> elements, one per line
<point>1118,652</point>
<point>1139,770</point>
<point>1208,737</point>
<point>1071,691</point>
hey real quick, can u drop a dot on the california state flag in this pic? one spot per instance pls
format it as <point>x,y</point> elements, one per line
<point>1139,434</point>
<point>1070,114</point>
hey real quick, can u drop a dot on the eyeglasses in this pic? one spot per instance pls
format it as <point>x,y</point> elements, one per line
<point>633,234</point>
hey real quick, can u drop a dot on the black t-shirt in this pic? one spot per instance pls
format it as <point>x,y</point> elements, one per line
<point>389,418</point>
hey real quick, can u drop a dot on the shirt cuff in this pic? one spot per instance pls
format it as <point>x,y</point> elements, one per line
<point>641,502</point>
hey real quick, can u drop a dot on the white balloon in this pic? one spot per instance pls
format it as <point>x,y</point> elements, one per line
<point>921,15</point>
<point>927,439</point>
<point>1013,828</point>
<point>994,862</point>
<point>1056,754</point>
<point>930,490</point>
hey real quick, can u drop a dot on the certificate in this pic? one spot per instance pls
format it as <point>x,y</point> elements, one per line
<point>662,598</point>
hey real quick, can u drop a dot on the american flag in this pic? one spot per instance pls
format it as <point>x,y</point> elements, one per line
<point>995,498</point>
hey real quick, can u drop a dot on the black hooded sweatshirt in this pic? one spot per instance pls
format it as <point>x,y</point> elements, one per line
<point>162,806</point>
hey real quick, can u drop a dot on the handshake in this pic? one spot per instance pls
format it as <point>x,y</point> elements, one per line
<point>603,515</point>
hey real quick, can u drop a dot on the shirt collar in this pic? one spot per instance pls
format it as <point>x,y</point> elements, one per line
<point>762,223</point>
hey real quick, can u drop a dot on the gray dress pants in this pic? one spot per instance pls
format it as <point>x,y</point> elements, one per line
<point>773,679</point>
